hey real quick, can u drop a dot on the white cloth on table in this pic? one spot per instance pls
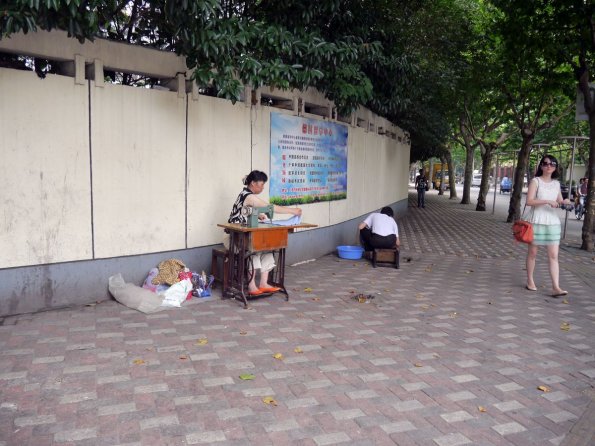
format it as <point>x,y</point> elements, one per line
<point>291,221</point>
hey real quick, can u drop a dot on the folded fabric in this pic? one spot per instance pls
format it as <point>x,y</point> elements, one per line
<point>148,284</point>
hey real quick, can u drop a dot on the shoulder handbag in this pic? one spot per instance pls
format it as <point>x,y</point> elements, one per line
<point>522,229</point>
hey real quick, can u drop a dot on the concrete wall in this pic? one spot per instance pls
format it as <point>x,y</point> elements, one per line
<point>100,178</point>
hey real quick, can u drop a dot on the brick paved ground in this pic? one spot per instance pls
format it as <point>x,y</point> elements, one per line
<point>450,351</point>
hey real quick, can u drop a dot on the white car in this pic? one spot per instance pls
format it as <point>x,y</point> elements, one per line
<point>476,181</point>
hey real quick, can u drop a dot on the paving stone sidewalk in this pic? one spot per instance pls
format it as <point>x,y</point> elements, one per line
<point>451,350</point>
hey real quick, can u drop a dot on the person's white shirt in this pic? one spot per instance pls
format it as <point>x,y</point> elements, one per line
<point>382,224</point>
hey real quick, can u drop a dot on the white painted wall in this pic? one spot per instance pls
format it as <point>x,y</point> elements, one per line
<point>45,207</point>
<point>96,171</point>
<point>138,153</point>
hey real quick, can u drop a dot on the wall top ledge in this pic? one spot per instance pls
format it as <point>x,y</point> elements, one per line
<point>118,56</point>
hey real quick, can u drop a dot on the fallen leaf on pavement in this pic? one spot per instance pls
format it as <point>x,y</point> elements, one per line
<point>481,409</point>
<point>308,290</point>
<point>298,350</point>
<point>565,326</point>
<point>269,400</point>
<point>247,376</point>
<point>278,356</point>
<point>202,341</point>
<point>138,362</point>
<point>543,388</point>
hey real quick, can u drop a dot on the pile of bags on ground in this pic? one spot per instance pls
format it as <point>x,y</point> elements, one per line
<point>168,285</point>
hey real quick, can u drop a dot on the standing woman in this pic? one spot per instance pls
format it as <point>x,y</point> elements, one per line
<point>262,261</point>
<point>544,196</point>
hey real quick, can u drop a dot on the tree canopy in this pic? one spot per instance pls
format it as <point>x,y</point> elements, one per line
<point>398,58</point>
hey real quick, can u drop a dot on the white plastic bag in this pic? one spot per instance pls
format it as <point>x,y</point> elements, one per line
<point>177,293</point>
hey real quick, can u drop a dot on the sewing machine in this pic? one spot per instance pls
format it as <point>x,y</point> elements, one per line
<point>251,213</point>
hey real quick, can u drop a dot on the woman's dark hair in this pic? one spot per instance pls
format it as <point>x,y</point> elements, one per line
<point>255,175</point>
<point>387,211</point>
<point>552,159</point>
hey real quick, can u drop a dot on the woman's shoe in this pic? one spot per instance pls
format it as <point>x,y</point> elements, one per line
<point>559,293</point>
<point>530,289</point>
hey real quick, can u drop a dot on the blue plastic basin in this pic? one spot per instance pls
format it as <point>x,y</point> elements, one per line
<point>350,252</point>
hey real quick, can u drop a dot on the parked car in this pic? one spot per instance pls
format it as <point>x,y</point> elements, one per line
<point>476,181</point>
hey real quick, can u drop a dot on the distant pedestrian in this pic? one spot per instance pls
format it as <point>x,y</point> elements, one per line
<point>421,184</point>
<point>544,196</point>
<point>379,230</point>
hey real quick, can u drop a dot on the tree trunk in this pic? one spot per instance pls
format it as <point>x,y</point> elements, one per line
<point>486,164</point>
<point>451,175</point>
<point>469,152</point>
<point>587,231</point>
<point>514,208</point>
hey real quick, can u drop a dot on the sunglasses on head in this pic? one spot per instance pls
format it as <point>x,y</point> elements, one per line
<point>546,164</point>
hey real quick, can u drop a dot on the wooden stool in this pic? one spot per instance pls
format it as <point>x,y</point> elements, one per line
<point>385,257</point>
<point>223,276</point>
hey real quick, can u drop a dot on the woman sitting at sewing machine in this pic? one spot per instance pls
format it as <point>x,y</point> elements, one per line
<point>263,261</point>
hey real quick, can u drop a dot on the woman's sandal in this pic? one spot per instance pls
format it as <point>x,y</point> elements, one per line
<point>272,289</point>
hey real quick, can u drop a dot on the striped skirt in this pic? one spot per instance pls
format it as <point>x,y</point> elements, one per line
<point>546,234</point>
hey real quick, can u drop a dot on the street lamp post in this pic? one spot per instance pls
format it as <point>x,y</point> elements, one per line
<point>574,140</point>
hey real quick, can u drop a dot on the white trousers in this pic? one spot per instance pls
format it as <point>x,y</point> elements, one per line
<point>264,261</point>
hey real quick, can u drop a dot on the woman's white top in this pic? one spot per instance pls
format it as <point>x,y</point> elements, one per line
<point>544,214</point>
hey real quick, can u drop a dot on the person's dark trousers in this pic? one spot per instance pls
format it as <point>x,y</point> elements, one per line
<point>421,198</point>
<point>371,241</point>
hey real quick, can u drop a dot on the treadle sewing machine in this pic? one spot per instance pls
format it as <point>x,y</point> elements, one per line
<point>254,237</point>
<point>252,213</point>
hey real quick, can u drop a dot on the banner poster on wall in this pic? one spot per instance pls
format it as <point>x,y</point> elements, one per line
<point>308,160</point>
